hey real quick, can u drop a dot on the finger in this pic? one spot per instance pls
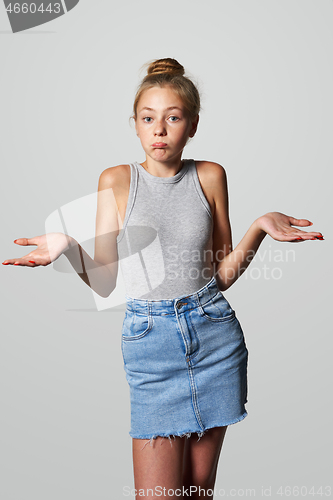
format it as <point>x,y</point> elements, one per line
<point>299,235</point>
<point>25,241</point>
<point>300,222</point>
<point>19,262</point>
<point>286,237</point>
<point>297,240</point>
<point>309,236</point>
<point>26,263</point>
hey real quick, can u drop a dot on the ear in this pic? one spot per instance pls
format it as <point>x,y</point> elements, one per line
<point>136,129</point>
<point>194,126</point>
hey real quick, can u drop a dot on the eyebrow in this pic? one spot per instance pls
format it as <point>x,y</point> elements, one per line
<point>167,109</point>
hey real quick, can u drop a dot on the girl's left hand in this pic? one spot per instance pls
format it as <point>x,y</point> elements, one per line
<point>280,227</point>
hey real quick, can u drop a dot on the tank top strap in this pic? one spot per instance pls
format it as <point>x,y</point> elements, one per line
<point>194,174</point>
<point>131,198</point>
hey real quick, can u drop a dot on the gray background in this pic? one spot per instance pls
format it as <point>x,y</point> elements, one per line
<point>265,72</point>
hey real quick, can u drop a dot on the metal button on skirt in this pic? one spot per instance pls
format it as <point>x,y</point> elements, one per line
<point>186,364</point>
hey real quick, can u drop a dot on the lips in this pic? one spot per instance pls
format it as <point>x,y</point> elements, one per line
<point>159,145</point>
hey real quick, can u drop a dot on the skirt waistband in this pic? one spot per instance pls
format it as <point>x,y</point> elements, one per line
<point>178,304</point>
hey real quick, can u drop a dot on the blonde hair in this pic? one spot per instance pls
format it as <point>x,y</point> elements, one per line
<point>162,72</point>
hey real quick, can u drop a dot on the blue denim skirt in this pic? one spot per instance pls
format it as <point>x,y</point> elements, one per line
<point>185,362</point>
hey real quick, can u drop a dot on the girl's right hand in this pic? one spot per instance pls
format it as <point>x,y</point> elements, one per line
<point>49,247</point>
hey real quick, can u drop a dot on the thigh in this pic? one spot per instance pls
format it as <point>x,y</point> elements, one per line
<point>158,464</point>
<point>201,458</point>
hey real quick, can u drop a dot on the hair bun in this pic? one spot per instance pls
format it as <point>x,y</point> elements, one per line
<point>168,72</point>
<point>167,65</point>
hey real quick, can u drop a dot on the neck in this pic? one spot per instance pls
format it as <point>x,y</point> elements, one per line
<point>162,169</point>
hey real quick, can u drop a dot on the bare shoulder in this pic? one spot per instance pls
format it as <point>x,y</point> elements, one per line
<point>115,182</point>
<point>213,181</point>
<point>212,175</point>
<point>118,177</point>
<point>211,172</point>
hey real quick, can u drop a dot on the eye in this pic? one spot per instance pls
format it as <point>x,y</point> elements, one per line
<point>174,118</point>
<point>147,119</point>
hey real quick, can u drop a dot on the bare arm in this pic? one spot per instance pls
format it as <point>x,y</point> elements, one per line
<point>94,274</point>
<point>100,273</point>
<point>234,262</point>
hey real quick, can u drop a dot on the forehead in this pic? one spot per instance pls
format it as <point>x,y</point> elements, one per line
<point>159,98</point>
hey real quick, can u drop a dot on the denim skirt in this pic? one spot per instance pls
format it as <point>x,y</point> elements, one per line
<point>185,361</point>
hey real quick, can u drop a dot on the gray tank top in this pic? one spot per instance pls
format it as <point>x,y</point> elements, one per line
<point>165,244</point>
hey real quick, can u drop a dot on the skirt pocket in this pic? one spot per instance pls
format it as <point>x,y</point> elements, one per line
<point>136,326</point>
<point>217,309</point>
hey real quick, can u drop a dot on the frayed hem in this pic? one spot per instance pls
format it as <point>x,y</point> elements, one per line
<point>185,434</point>
<point>188,434</point>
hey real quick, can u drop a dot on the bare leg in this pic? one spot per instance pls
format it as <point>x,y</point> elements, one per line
<point>201,460</point>
<point>158,465</point>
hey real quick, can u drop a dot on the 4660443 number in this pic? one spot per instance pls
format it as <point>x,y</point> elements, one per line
<point>32,8</point>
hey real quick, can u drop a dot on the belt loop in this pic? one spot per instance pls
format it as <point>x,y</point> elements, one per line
<point>196,296</point>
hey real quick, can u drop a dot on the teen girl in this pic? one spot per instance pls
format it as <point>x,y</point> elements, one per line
<point>166,221</point>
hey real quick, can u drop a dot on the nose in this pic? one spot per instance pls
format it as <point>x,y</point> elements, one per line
<point>159,128</point>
